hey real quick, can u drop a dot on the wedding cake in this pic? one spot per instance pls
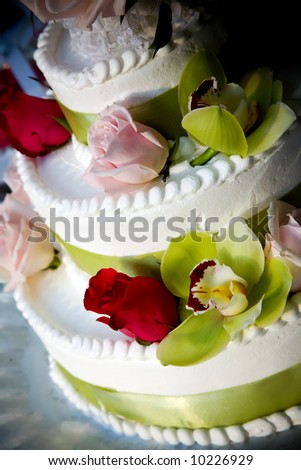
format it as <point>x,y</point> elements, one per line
<point>152,236</point>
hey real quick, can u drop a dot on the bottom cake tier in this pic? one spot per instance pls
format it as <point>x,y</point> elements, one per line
<point>252,388</point>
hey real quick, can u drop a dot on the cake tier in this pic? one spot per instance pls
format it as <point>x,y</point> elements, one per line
<point>137,220</point>
<point>257,375</point>
<point>88,70</point>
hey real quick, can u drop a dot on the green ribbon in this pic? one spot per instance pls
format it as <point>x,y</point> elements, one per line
<point>161,113</point>
<point>143,265</point>
<point>78,122</point>
<point>227,407</point>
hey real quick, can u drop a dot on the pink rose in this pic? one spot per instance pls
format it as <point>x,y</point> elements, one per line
<point>284,239</point>
<point>124,150</point>
<point>86,11</point>
<point>20,258</point>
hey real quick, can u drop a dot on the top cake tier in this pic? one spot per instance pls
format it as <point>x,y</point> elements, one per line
<point>88,70</point>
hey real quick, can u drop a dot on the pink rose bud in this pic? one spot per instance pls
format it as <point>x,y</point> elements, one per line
<point>86,11</point>
<point>284,239</point>
<point>19,257</point>
<point>124,150</point>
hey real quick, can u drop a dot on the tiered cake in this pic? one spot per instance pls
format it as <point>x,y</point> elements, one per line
<point>151,208</point>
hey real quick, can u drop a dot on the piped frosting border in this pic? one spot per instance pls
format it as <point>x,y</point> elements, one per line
<point>219,436</point>
<point>125,349</point>
<point>183,182</point>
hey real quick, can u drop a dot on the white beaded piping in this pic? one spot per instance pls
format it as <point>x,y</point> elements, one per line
<point>100,72</point>
<point>124,348</point>
<point>217,171</point>
<point>218,436</point>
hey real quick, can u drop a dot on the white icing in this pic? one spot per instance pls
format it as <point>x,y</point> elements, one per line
<point>276,422</point>
<point>52,304</point>
<point>89,70</point>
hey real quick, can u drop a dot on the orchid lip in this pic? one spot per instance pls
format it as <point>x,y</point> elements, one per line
<point>217,286</point>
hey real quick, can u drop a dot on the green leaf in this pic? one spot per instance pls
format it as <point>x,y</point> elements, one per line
<point>258,87</point>
<point>55,263</point>
<point>233,325</point>
<point>164,28</point>
<point>197,339</point>
<point>215,127</point>
<point>181,257</point>
<point>78,122</point>
<point>239,248</point>
<point>162,113</point>
<point>274,285</point>
<point>277,120</point>
<point>204,64</point>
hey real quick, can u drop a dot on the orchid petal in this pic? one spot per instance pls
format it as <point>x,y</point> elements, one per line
<point>195,340</point>
<point>204,64</point>
<point>234,324</point>
<point>258,86</point>
<point>233,97</point>
<point>274,286</point>
<point>216,286</point>
<point>183,311</point>
<point>278,119</point>
<point>238,304</point>
<point>241,113</point>
<point>217,128</point>
<point>238,247</point>
<point>157,111</point>
<point>180,258</point>
<point>277,91</point>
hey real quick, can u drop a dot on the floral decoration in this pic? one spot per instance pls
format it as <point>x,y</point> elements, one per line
<point>85,11</point>
<point>123,149</point>
<point>214,286</point>
<point>9,86</point>
<point>243,119</point>
<point>20,258</point>
<point>140,307</point>
<point>31,125</point>
<point>284,238</point>
<point>228,285</point>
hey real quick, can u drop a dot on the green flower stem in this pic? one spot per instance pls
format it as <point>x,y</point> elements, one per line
<point>204,157</point>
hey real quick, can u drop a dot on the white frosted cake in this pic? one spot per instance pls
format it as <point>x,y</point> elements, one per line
<point>168,287</point>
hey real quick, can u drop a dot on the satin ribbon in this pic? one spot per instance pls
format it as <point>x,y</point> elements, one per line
<point>235,405</point>
<point>161,113</point>
<point>143,265</point>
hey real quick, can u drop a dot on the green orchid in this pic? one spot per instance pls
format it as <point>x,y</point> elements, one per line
<point>241,119</point>
<point>224,285</point>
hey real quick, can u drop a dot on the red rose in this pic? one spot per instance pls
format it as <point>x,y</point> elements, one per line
<point>28,123</point>
<point>140,307</point>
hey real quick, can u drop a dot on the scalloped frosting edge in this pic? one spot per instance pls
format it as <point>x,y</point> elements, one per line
<point>219,436</point>
<point>216,172</point>
<point>124,349</point>
<point>103,70</point>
